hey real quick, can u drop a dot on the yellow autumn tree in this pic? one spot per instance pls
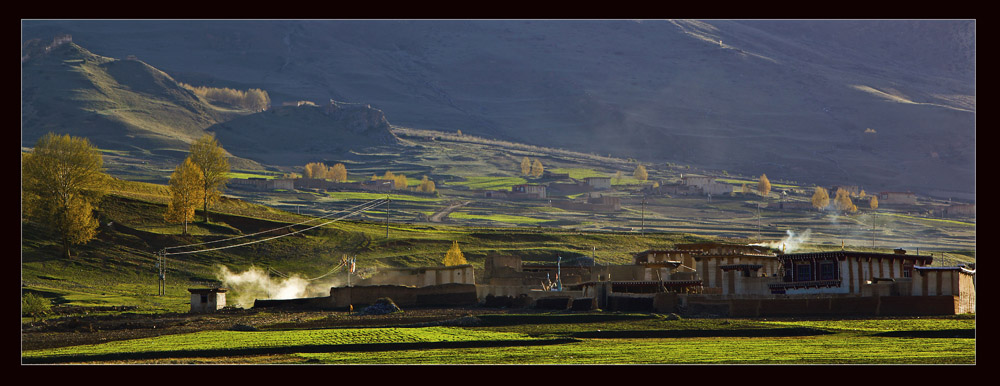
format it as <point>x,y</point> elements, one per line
<point>764,185</point>
<point>640,173</point>
<point>454,256</point>
<point>537,169</point>
<point>842,201</point>
<point>211,158</point>
<point>426,185</point>
<point>338,173</point>
<point>525,166</point>
<point>61,180</point>
<point>316,170</point>
<point>873,203</point>
<point>185,193</point>
<point>401,182</point>
<point>820,199</point>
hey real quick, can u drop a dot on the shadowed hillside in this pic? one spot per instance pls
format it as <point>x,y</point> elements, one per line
<point>889,105</point>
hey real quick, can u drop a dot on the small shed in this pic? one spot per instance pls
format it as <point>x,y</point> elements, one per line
<point>207,299</point>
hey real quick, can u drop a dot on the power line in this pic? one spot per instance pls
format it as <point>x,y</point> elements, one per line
<point>363,207</point>
<point>266,231</point>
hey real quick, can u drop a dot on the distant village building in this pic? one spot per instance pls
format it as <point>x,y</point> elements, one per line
<point>706,184</point>
<point>379,185</point>
<point>529,191</point>
<point>598,183</point>
<point>257,183</point>
<point>600,203</point>
<point>850,189</point>
<point>897,198</point>
<point>204,300</point>
<point>959,210</point>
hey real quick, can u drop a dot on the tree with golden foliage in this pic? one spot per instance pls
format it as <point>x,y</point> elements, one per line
<point>211,158</point>
<point>820,199</point>
<point>764,185</point>
<point>873,203</point>
<point>316,170</point>
<point>338,173</point>
<point>454,256</point>
<point>842,201</point>
<point>525,166</point>
<point>537,169</point>
<point>185,193</point>
<point>401,182</point>
<point>61,180</point>
<point>640,173</point>
<point>744,189</point>
<point>426,185</point>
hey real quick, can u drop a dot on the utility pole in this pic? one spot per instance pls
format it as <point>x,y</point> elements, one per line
<point>873,229</point>
<point>387,216</point>
<point>642,216</point>
<point>758,222</point>
<point>161,261</point>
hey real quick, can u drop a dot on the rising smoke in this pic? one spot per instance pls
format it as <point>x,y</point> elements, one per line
<point>790,243</point>
<point>256,283</point>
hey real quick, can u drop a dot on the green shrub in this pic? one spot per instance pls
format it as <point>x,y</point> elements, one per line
<point>35,306</point>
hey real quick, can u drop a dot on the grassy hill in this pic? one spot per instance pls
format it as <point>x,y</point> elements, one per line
<point>117,104</point>
<point>889,105</point>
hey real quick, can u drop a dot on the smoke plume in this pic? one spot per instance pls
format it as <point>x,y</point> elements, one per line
<point>256,283</point>
<point>790,243</point>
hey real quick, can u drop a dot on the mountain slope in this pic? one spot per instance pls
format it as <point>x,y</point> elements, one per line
<point>117,104</point>
<point>794,99</point>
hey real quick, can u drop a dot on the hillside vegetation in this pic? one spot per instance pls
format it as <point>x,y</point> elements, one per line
<point>794,98</point>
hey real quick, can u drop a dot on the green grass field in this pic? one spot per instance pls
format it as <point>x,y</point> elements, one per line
<point>588,338</point>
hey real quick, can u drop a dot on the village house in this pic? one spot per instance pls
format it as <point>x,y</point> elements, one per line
<point>949,281</point>
<point>600,203</point>
<point>958,210</point>
<point>205,300</point>
<point>257,183</point>
<point>844,272</point>
<point>598,183</point>
<point>897,198</point>
<point>527,191</point>
<point>706,184</point>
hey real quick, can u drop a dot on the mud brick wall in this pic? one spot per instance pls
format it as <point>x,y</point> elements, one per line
<point>876,305</point>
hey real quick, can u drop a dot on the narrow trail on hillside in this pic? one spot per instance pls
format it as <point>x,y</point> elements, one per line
<point>441,214</point>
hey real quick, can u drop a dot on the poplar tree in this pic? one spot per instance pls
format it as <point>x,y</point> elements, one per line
<point>764,185</point>
<point>843,202</point>
<point>338,173</point>
<point>61,179</point>
<point>454,256</point>
<point>210,157</point>
<point>873,203</point>
<point>186,192</point>
<point>820,199</point>
<point>316,170</point>
<point>640,173</point>
<point>537,169</point>
<point>525,166</point>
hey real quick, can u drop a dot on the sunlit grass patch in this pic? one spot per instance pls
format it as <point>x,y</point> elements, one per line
<point>507,218</point>
<point>490,183</point>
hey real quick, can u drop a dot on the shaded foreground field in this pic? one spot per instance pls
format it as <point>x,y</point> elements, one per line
<point>491,336</point>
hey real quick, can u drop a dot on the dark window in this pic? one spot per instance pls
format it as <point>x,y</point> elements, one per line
<point>788,273</point>
<point>826,271</point>
<point>204,298</point>
<point>907,270</point>
<point>803,272</point>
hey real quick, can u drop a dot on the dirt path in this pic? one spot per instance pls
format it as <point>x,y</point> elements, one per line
<point>441,214</point>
